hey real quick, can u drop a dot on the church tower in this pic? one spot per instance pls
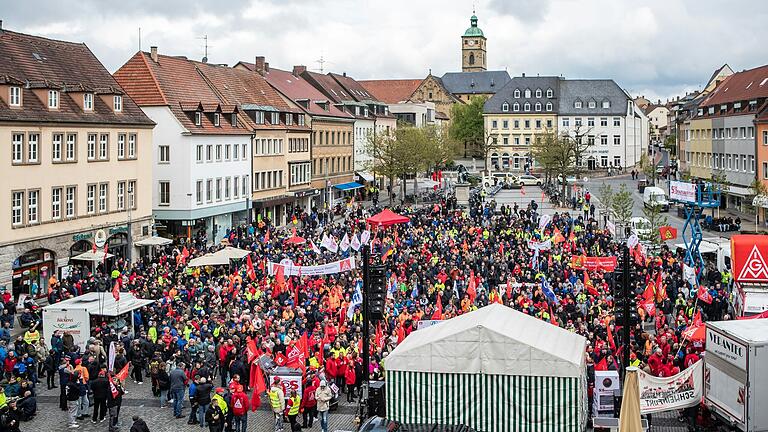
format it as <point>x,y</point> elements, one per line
<point>473,48</point>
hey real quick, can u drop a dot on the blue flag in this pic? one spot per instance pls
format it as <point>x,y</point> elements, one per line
<point>548,291</point>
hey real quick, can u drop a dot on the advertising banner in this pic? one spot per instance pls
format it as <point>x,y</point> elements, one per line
<point>682,191</point>
<point>748,254</point>
<point>73,321</point>
<point>672,393</point>
<point>347,264</point>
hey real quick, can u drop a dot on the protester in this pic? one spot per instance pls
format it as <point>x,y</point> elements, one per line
<point>277,402</point>
<point>139,425</point>
<point>323,396</point>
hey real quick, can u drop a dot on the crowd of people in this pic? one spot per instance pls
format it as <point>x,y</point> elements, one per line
<point>205,343</point>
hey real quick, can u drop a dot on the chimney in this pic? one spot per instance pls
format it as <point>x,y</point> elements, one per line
<point>153,53</point>
<point>266,67</point>
<point>299,69</point>
<point>1,24</point>
<point>523,74</point>
<point>259,65</point>
<point>344,74</point>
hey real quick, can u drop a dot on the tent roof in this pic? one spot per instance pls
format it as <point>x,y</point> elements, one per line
<point>386,218</point>
<point>493,340</point>
<point>101,303</point>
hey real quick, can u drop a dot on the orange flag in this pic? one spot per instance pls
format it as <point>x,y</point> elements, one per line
<point>123,374</point>
<point>438,315</point>
<point>250,270</point>
<point>116,289</point>
<point>471,286</point>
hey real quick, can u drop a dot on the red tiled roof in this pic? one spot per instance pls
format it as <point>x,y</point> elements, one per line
<point>177,81</point>
<point>391,91</point>
<point>329,87</point>
<point>297,89</point>
<point>745,85</point>
<point>67,66</point>
<point>353,87</point>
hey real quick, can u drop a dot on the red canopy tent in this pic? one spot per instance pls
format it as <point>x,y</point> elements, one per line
<point>294,239</point>
<point>386,218</point>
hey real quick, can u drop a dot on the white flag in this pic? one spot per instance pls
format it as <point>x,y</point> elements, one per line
<point>356,300</point>
<point>344,245</point>
<point>355,243</point>
<point>632,241</point>
<point>315,249</point>
<point>365,236</point>
<point>329,243</point>
<point>544,221</point>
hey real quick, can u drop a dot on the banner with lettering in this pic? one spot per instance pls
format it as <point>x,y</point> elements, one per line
<point>593,263</point>
<point>347,264</point>
<point>676,392</point>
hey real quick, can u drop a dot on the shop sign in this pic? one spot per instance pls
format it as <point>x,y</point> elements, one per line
<point>119,229</point>
<point>82,236</point>
<point>100,239</point>
<point>46,256</point>
<point>306,193</point>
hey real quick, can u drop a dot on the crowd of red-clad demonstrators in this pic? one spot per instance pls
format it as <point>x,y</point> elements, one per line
<point>209,345</point>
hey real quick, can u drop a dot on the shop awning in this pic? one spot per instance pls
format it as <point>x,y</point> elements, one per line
<point>273,201</point>
<point>348,186</point>
<point>742,191</point>
<point>365,176</point>
<point>760,201</point>
<point>154,241</point>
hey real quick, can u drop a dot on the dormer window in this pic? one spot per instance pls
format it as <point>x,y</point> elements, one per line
<point>527,93</point>
<point>301,119</point>
<point>88,101</point>
<point>198,118</point>
<point>723,108</point>
<point>275,118</point>
<point>517,93</point>
<point>550,93</point>
<point>53,99</point>
<point>591,104</point>
<point>118,103</point>
<point>538,93</point>
<point>527,107</point>
<point>516,107</point>
<point>14,98</point>
<point>577,104</point>
<point>549,106</point>
<point>505,107</point>
<point>234,120</point>
<point>216,119</point>
<point>288,119</point>
<point>538,106</point>
<point>259,117</point>
<point>711,110</point>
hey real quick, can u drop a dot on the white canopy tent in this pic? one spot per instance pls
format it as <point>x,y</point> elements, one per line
<point>230,252</point>
<point>97,256</point>
<point>154,241</point>
<point>526,368</point>
<point>208,260</point>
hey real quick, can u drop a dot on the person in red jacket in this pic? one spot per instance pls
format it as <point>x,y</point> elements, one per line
<point>655,362</point>
<point>331,368</point>
<point>309,404</point>
<point>240,406</point>
<point>690,358</point>
<point>349,380</point>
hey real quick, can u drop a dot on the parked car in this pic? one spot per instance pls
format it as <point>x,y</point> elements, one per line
<point>567,180</point>
<point>640,226</point>
<point>529,180</point>
<point>655,196</point>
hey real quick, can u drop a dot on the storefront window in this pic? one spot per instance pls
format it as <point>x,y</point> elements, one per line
<point>31,273</point>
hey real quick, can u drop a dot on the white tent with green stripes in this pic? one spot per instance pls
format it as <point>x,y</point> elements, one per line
<point>494,369</point>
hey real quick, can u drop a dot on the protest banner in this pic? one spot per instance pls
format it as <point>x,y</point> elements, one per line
<point>290,269</point>
<point>672,393</point>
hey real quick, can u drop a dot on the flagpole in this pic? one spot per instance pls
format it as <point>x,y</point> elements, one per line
<point>366,325</point>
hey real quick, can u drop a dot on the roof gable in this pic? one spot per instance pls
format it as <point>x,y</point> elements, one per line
<point>391,91</point>
<point>744,85</point>
<point>298,89</point>
<point>483,82</point>
<point>594,91</point>
<point>515,92</point>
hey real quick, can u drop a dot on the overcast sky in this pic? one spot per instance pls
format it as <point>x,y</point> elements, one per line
<point>657,48</point>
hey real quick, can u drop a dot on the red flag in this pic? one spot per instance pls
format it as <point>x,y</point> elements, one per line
<point>251,273</point>
<point>379,338</point>
<point>509,289</point>
<point>589,284</point>
<point>184,255</point>
<point>304,344</point>
<point>400,334</point>
<point>471,286</point>
<point>259,387</point>
<point>106,251</point>
<point>266,236</point>
<point>280,359</point>
<point>649,306</point>
<point>649,294</point>
<point>611,342</point>
<point>667,233</point>
<point>661,290</point>
<point>761,315</point>
<point>704,295</point>
<point>552,318</point>
<point>251,350</point>
<point>255,401</point>
<point>123,374</point>
<point>602,365</point>
<point>438,315</point>
<point>116,289</point>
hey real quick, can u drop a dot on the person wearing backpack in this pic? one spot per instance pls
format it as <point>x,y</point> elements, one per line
<point>115,401</point>
<point>214,417</point>
<point>72,393</point>
<point>203,396</point>
<point>155,365</point>
<point>240,406</point>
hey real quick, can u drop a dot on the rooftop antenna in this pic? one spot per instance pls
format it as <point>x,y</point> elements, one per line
<point>139,39</point>
<point>206,46</point>
<point>321,62</point>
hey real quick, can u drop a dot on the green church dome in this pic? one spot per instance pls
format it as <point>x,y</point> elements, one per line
<point>473,30</point>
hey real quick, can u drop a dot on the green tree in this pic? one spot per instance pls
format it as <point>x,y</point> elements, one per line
<point>467,127</point>
<point>622,205</point>
<point>648,167</point>
<point>560,155</point>
<point>656,220</point>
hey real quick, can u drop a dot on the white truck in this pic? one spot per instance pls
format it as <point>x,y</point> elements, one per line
<point>736,373</point>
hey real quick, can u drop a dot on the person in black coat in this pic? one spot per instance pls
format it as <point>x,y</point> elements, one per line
<point>137,359</point>
<point>50,366</point>
<point>114,402</point>
<point>139,425</point>
<point>101,392</point>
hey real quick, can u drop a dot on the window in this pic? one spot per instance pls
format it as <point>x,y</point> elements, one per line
<point>15,96</point>
<point>577,122</point>
<point>104,147</point>
<point>527,124</point>
<point>53,99</point>
<point>218,189</point>
<point>751,163</point>
<point>577,104</point>
<point>505,124</point>
<point>118,103</point>
<point>132,194</point>
<point>765,170</point>
<point>209,190</point>
<point>616,121</point>
<point>527,107</point>
<point>494,124</point>
<point>591,121</point>
<point>56,141</point>
<point>566,122</point>
<point>603,140</point>
<point>218,152</point>
<point>227,186</point>
<point>228,151</point>
<point>17,148</point>
<point>233,120</point>
<point>198,118</point>
<point>517,124</point>
<point>527,93</point>
<point>208,153</point>
<point>244,152</point>
<point>617,161</point>
<point>604,161</point>
<point>516,107</point>
<point>549,106</point>
<point>288,119</point>
<point>527,140</point>
<point>56,203</point>
<point>505,140</point>
<point>550,93</point>
<point>517,94</point>
<point>165,193</point>
<point>33,141</point>
<point>765,137</point>
<point>216,119</point>
<point>70,201</point>
<point>591,140</point>
<point>165,154</point>
<point>537,107</point>
<point>17,208</point>
<point>235,152</point>
<point>245,185</point>
<point>744,163</point>
<point>538,93</point>
<point>71,147</point>
<point>617,140</point>
<point>275,118</point>
<point>549,123</point>
<point>751,132</point>
<point>132,146</point>
<point>603,121</point>
<point>103,191</point>
<point>121,195</point>
<point>90,201</point>
<point>505,107</point>
<point>91,146</point>
<point>606,104</point>
<point>88,101</point>
<point>235,186</point>
<point>538,124</point>
<point>121,146</point>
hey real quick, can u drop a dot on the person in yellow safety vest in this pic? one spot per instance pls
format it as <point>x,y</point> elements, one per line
<point>32,335</point>
<point>633,360</point>
<point>294,403</point>
<point>277,401</point>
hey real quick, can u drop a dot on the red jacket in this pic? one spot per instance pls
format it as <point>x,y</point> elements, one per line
<point>240,404</point>
<point>330,367</point>
<point>349,375</point>
<point>308,400</point>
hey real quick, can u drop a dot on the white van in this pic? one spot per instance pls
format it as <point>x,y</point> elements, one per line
<point>655,196</point>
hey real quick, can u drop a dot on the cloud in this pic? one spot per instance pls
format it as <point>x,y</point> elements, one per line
<point>656,47</point>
